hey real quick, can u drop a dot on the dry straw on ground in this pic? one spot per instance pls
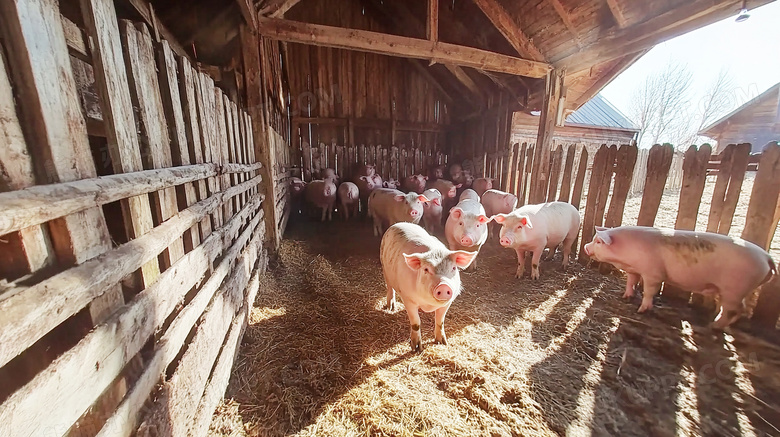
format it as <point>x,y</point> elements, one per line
<point>322,357</point>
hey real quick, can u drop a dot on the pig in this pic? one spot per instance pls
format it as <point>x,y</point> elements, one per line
<point>481,185</point>
<point>329,173</point>
<point>297,187</point>
<point>365,186</point>
<point>455,170</point>
<point>497,202</point>
<point>349,198</point>
<point>468,193</point>
<point>414,183</point>
<point>436,172</point>
<point>377,180</point>
<point>391,183</point>
<point>322,194</point>
<point>393,206</point>
<point>424,273</point>
<point>448,191</point>
<point>535,227</point>
<point>702,262</point>
<point>432,210</point>
<point>366,170</point>
<point>466,227</point>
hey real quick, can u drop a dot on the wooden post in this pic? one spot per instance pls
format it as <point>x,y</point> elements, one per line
<point>594,188</point>
<point>579,181</point>
<point>626,158</point>
<point>555,171</point>
<point>658,164</point>
<point>257,107</point>
<point>540,174</point>
<point>739,164</point>
<point>568,171</point>
<point>694,179</point>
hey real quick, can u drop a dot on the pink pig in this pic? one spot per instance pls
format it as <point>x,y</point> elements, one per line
<point>432,210</point>
<point>365,186</point>
<point>536,227</point>
<point>497,202</point>
<point>466,227</point>
<point>424,273</point>
<point>366,170</point>
<point>701,262</point>
<point>391,183</point>
<point>349,198</point>
<point>393,206</point>
<point>481,185</point>
<point>415,183</point>
<point>468,193</point>
<point>322,194</point>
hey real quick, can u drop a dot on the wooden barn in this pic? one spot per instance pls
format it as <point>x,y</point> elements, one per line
<point>156,278</point>
<point>756,122</point>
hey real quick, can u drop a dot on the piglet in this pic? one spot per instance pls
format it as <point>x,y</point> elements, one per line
<point>297,186</point>
<point>436,172</point>
<point>468,193</point>
<point>481,185</point>
<point>322,194</point>
<point>365,186</point>
<point>702,262</point>
<point>377,180</point>
<point>455,171</point>
<point>349,198</point>
<point>498,202</point>
<point>391,183</point>
<point>366,170</point>
<point>329,173</point>
<point>466,227</point>
<point>424,273</point>
<point>414,183</point>
<point>432,210</point>
<point>393,206</point>
<point>536,227</point>
<point>448,191</point>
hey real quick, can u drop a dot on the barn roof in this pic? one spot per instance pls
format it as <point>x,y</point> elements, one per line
<point>771,93</point>
<point>598,112</point>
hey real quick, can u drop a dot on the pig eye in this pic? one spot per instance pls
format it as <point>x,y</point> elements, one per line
<point>427,270</point>
<point>461,223</point>
<point>477,224</point>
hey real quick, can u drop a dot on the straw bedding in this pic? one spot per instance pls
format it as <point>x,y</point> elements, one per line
<point>563,355</point>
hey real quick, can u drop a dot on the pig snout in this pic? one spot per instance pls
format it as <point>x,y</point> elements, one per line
<point>506,241</point>
<point>414,213</point>
<point>588,249</point>
<point>466,240</point>
<point>442,292</point>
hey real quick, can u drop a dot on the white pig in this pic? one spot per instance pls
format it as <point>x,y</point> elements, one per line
<point>468,193</point>
<point>497,202</point>
<point>424,273</point>
<point>349,198</point>
<point>432,210</point>
<point>702,262</point>
<point>322,194</point>
<point>481,185</point>
<point>466,227</point>
<point>536,227</point>
<point>390,206</point>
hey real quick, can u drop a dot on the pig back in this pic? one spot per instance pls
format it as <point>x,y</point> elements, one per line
<point>498,202</point>
<point>321,193</point>
<point>382,205</point>
<point>348,192</point>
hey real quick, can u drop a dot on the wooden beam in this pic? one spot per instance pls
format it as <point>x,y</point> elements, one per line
<point>607,77</point>
<point>617,12</point>
<point>467,81</point>
<point>417,64</point>
<point>248,12</point>
<point>277,8</point>
<point>432,24</point>
<point>393,45</point>
<point>675,22</point>
<point>145,10</point>
<point>566,18</point>
<point>509,28</point>
<point>553,88</point>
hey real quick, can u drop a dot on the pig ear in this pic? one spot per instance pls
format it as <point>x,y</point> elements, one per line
<point>484,219</point>
<point>462,258</point>
<point>413,261</point>
<point>363,178</point>
<point>437,201</point>
<point>425,178</point>
<point>399,197</point>
<point>422,198</point>
<point>458,186</point>
<point>456,212</point>
<point>603,233</point>
<point>499,218</point>
<point>525,221</point>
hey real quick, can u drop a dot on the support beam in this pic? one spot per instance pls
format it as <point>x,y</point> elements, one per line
<point>675,22</point>
<point>248,12</point>
<point>541,169</point>
<point>432,29</point>
<point>393,45</point>
<point>566,18</point>
<point>607,77</point>
<point>508,27</point>
<point>617,12</point>
<point>417,64</point>
<point>277,8</point>
<point>467,81</point>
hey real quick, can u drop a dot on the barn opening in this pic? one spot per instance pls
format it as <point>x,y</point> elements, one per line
<point>153,258</point>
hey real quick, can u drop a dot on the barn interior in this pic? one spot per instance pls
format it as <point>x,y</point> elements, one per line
<point>204,280</point>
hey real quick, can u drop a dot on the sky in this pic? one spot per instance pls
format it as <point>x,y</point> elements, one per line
<point>749,50</point>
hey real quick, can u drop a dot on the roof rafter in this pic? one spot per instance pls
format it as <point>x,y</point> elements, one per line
<point>432,24</point>
<point>277,8</point>
<point>617,12</point>
<point>566,18</point>
<point>508,27</point>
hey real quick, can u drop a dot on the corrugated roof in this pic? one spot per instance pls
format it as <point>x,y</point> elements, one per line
<point>599,112</point>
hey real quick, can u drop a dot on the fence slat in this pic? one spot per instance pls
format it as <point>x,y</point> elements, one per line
<point>719,191</point>
<point>625,163</point>
<point>591,204</point>
<point>555,171</point>
<point>568,170</point>
<point>579,181</point>
<point>658,164</point>
<point>694,179</point>
<point>739,163</point>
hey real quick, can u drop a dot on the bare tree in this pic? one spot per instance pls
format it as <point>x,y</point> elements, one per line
<point>716,102</point>
<point>659,105</point>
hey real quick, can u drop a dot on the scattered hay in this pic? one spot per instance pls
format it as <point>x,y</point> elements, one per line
<point>322,357</point>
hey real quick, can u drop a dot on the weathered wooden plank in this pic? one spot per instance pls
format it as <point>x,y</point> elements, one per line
<point>30,313</point>
<point>694,179</point>
<point>229,149</point>
<point>579,181</point>
<point>555,171</point>
<point>508,27</point>
<point>72,386</point>
<point>658,164</point>
<point>606,182</point>
<point>625,163</point>
<point>568,174</point>
<point>155,142</point>
<point>739,164</point>
<point>214,152</point>
<point>28,248</point>
<point>239,144</point>
<point>719,191</point>
<point>594,188</point>
<point>177,131</point>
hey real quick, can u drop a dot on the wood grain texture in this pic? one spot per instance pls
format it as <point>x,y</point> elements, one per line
<point>658,164</point>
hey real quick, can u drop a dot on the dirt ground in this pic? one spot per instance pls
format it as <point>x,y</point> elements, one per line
<point>561,356</point>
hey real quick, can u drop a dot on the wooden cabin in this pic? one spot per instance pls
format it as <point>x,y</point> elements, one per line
<point>147,148</point>
<point>756,122</point>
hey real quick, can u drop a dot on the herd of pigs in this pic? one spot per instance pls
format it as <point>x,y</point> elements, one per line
<point>425,272</point>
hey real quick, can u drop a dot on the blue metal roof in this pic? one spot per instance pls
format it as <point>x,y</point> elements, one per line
<point>599,112</point>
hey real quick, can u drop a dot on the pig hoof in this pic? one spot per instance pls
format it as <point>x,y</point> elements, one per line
<point>628,295</point>
<point>417,347</point>
<point>535,275</point>
<point>644,307</point>
<point>442,340</point>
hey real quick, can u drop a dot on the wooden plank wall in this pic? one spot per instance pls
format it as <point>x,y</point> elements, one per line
<point>131,238</point>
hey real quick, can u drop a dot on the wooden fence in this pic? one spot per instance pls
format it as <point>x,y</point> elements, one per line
<point>391,162</point>
<point>130,260</point>
<point>608,182</point>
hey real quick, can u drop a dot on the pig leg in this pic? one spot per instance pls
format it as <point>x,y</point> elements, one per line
<point>441,338</point>
<point>650,290</point>
<point>377,226</point>
<point>566,252</point>
<point>324,212</point>
<point>390,298</point>
<point>631,282</point>
<point>731,309</point>
<point>537,256</point>
<point>414,324</point>
<point>344,211</point>
<point>520,263</point>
